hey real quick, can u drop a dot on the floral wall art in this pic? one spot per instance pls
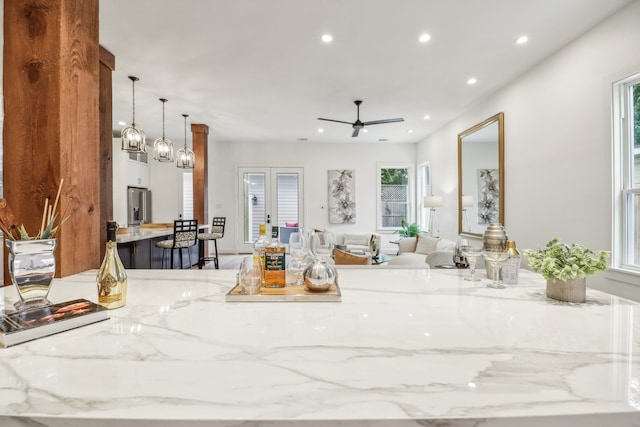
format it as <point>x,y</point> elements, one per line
<point>488,195</point>
<point>342,197</point>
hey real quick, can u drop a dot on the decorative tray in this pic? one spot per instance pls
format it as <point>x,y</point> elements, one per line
<point>290,293</point>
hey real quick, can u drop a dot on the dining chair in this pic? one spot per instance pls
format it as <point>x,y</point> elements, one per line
<point>216,232</point>
<point>185,233</point>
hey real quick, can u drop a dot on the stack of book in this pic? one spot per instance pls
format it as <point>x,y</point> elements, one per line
<point>27,325</point>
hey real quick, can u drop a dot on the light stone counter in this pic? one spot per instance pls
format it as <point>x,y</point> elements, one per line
<point>403,348</point>
<point>134,234</point>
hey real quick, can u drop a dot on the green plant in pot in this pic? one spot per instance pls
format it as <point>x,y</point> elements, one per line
<point>408,230</point>
<point>566,267</point>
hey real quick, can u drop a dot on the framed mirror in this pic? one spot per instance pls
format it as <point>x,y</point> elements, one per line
<point>481,176</point>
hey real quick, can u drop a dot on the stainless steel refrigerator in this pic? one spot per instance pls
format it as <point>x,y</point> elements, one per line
<point>138,206</point>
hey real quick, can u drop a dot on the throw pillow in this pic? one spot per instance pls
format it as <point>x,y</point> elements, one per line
<point>290,224</point>
<point>359,239</point>
<point>426,244</point>
<point>345,258</point>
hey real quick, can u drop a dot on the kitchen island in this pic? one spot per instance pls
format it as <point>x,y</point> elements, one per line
<point>403,348</point>
<point>137,250</point>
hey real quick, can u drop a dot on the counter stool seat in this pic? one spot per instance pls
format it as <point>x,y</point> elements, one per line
<point>216,232</point>
<point>184,236</point>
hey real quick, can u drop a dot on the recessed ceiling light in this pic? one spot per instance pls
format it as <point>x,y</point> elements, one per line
<point>424,38</point>
<point>365,130</point>
<point>427,117</point>
<point>327,38</point>
<point>122,123</point>
<point>472,81</point>
<point>410,131</point>
<point>320,130</point>
<point>522,40</point>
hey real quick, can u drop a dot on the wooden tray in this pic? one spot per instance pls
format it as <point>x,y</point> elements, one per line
<point>289,293</point>
<point>157,225</point>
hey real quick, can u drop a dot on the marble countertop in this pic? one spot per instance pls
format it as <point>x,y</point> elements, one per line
<point>403,348</point>
<point>134,234</point>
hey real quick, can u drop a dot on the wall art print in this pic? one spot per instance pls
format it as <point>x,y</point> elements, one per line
<point>488,195</point>
<point>342,197</point>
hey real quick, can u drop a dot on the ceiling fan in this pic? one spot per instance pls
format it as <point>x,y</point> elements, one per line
<point>357,125</point>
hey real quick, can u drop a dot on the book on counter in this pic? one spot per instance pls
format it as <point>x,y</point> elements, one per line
<point>30,324</point>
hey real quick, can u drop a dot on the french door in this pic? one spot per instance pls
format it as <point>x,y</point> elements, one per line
<point>273,194</point>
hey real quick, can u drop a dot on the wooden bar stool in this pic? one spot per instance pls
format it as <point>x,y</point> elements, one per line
<point>216,232</point>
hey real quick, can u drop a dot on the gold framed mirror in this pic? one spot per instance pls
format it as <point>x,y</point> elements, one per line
<point>481,176</point>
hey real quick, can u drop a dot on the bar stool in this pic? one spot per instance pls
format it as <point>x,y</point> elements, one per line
<point>185,233</point>
<point>216,232</point>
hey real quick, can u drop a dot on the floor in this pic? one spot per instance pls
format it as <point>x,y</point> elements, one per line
<point>227,262</point>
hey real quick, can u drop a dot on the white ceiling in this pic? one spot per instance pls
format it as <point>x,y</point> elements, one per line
<point>257,71</point>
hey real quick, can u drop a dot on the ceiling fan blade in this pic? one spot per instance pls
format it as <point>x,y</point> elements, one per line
<point>337,121</point>
<point>377,122</point>
<point>355,132</point>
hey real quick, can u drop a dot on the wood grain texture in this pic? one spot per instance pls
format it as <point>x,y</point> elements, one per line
<point>51,123</point>
<point>107,67</point>
<point>200,134</point>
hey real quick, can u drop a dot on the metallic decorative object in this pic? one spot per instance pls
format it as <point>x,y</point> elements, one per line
<point>133,138</point>
<point>185,158</point>
<point>320,276</point>
<point>494,240</point>
<point>163,147</point>
<point>32,265</point>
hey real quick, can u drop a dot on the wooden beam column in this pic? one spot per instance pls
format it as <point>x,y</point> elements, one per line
<point>107,67</point>
<point>51,121</point>
<point>199,136</point>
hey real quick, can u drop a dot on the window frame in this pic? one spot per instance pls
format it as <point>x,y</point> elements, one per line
<point>623,158</point>
<point>411,176</point>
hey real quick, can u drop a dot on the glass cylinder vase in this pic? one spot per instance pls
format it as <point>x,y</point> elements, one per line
<point>31,265</point>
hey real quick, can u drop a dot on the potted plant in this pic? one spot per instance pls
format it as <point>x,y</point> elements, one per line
<point>408,230</point>
<point>566,267</point>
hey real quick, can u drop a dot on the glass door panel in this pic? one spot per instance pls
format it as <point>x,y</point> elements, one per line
<point>268,194</point>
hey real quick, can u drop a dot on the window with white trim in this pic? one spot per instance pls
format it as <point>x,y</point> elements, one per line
<point>626,136</point>
<point>424,189</point>
<point>395,195</point>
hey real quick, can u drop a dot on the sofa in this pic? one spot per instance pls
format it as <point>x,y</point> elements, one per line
<point>357,241</point>
<point>421,249</point>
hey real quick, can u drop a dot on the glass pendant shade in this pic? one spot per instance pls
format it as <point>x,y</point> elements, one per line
<point>185,158</point>
<point>163,147</point>
<point>133,138</point>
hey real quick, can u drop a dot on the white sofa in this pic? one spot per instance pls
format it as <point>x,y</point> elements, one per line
<point>356,240</point>
<point>422,249</point>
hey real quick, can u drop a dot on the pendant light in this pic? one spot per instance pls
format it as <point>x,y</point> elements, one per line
<point>163,147</point>
<point>185,158</point>
<point>133,138</point>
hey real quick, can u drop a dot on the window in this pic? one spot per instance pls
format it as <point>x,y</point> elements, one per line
<point>395,192</point>
<point>626,134</point>
<point>424,189</point>
<point>186,195</point>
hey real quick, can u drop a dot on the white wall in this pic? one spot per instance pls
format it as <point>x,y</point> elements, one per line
<point>557,141</point>
<point>316,159</point>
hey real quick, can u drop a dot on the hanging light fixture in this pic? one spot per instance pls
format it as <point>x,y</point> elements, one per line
<point>185,158</point>
<point>163,147</point>
<point>133,138</point>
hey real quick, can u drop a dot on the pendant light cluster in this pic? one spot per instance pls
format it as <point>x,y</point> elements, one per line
<point>163,147</point>
<point>133,140</point>
<point>185,159</point>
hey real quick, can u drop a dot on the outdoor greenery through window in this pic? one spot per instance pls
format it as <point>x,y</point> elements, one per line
<point>627,142</point>
<point>394,195</point>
